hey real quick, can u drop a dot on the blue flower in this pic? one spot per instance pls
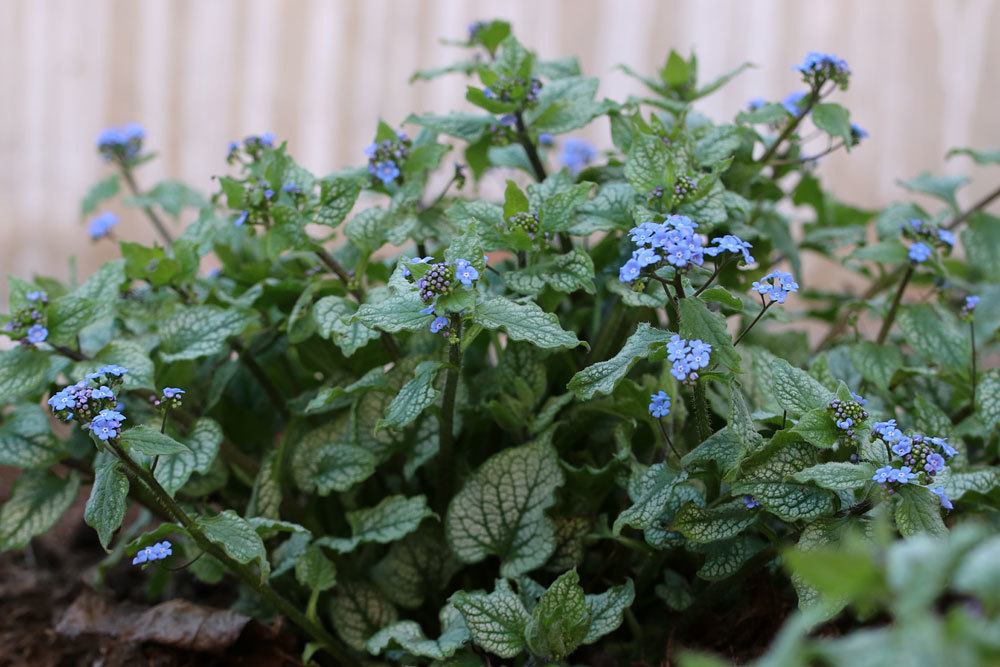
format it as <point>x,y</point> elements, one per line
<point>173,392</point>
<point>576,154</point>
<point>750,502</point>
<point>102,392</point>
<point>268,193</point>
<point>942,443</point>
<point>971,302</point>
<point>659,404</point>
<point>777,285</point>
<point>823,63</point>
<point>113,370</point>
<point>858,133</point>
<point>123,143</point>
<point>105,429</point>
<point>792,102</point>
<point>438,324</point>
<point>733,244</point>
<point>465,272</point>
<point>884,474</point>
<point>946,237</point>
<point>919,252</point>
<point>62,400</point>
<point>687,357</point>
<point>859,398</point>
<point>241,218</point>
<point>111,416</point>
<point>370,150</point>
<point>41,295</point>
<point>935,463</point>
<point>508,120</point>
<point>157,551</point>
<point>416,260</point>
<point>945,500</point>
<point>37,334</point>
<point>546,139</point>
<point>429,310</point>
<point>386,171</point>
<point>645,256</point>
<point>488,93</point>
<point>904,475</point>
<point>291,188</point>
<point>902,446</point>
<point>755,103</point>
<point>101,225</point>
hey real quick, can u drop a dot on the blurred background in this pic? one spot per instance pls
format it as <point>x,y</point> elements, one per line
<point>319,73</point>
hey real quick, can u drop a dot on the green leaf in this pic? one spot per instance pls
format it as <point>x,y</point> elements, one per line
<point>514,200</point>
<point>466,126</point>
<point>108,500</point>
<point>833,119</point>
<point>103,189</point>
<point>981,157</point>
<point>720,143</point>
<point>837,476</point>
<point>172,196</point>
<point>266,494</point>
<point>655,491</point>
<point>336,199</point>
<point>884,252</point>
<point>334,321</point>
<point>26,439</point>
<point>604,376</point>
<point>935,338</point>
<point>817,427</point>
<point>978,574</point>
<point>329,458</point>
<point>23,371</point>
<point>876,363</point>
<point>315,571</point>
<point>711,525</point>
<point>561,619</point>
<point>523,321</point>
<point>721,295</point>
<point>409,636</point>
<point>496,620</point>
<point>797,391</point>
<point>988,398</point>
<point>647,163</point>
<point>676,71</point>
<point>390,520</point>
<point>399,312</point>
<point>917,510</point>
<point>237,537</point>
<point>37,499</point>
<point>202,446</point>
<point>724,559</point>
<point>981,241</point>
<point>415,567</point>
<point>557,211</point>
<point>416,395</point>
<point>199,331</point>
<point>501,509</point>
<point>697,321</point>
<point>563,273</point>
<point>790,502</point>
<point>359,611</point>
<point>151,442</point>
<point>941,187</point>
<point>607,609</point>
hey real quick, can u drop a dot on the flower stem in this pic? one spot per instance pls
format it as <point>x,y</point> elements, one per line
<point>972,337</point>
<point>666,438</point>
<point>701,411</point>
<point>814,97</point>
<point>529,147</point>
<point>755,320</point>
<point>894,308</point>
<point>446,425</point>
<point>158,224</point>
<point>242,570</point>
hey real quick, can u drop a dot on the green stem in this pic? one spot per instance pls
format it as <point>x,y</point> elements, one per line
<point>157,223</point>
<point>244,571</point>
<point>894,308</point>
<point>666,438</point>
<point>755,320</point>
<point>529,147</point>
<point>814,97</point>
<point>701,412</point>
<point>446,435</point>
<point>972,336</point>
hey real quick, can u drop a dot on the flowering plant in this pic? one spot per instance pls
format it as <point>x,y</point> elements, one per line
<point>559,426</point>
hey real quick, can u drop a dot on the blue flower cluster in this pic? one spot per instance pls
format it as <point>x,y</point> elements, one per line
<point>576,154</point>
<point>386,156</point>
<point>675,242</point>
<point>27,324</point>
<point>437,279</point>
<point>750,502</point>
<point>514,89</point>
<point>969,307</point>
<point>253,145</point>
<point>917,459</point>
<point>857,134</point>
<point>170,397</point>
<point>688,357</point>
<point>659,404</point>
<point>793,102</point>
<point>818,68</point>
<point>101,225</point>
<point>925,237</point>
<point>154,552</point>
<point>776,285</point>
<point>848,415</point>
<point>123,144</point>
<point>92,402</point>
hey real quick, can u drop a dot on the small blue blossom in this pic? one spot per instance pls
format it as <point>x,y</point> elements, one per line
<point>157,551</point>
<point>123,143</point>
<point>971,302</point>
<point>935,463</point>
<point>291,188</point>
<point>902,446</point>
<point>576,154</point>
<point>62,400</point>
<point>111,416</point>
<point>37,334</point>
<point>386,171</point>
<point>508,120</point>
<point>546,139</point>
<point>792,102</point>
<point>884,474</point>
<point>629,271</point>
<point>947,237</point>
<point>429,310</point>
<point>268,193</point>
<point>945,500</point>
<point>42,296</point>
<point>488,93</point>
<point>904,475</point>
<point>645,256</point>
<point>777,285</point>
<point>241,218</point>
<point>858,133</point>
<point>102,392</point>
<point>820,67</point>
<point>733,244</point>
<point>919,252</point>
<point>755,103</point>
<point>173,392</point>
<point>942,444</point>
<point>438,324</point>
<point>465,272</point>
<point>750,502</point>
<point>416,260</point>
<point>101,225</point>
<point>113,370</point>
<point>105,429</point>
<point>659,404</point>
<point>370,150</point>
<point>859,398</point>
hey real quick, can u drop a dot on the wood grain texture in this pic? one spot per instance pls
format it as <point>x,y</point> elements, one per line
<point>320,72</point>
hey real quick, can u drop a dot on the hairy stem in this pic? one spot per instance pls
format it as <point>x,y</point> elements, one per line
<point>273,395</point>
<point>244,571</point>
<point>157,223</point>
<point>446,435</point>
<point>755,320</point>
<point>972,338</point>
<point>814,97</point>
<point>702,420</point>
<point>894,308</point>
<point>529,147</point>
<point>667,440</point>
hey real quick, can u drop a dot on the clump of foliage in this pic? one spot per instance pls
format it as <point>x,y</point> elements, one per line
<point>556,427</point>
